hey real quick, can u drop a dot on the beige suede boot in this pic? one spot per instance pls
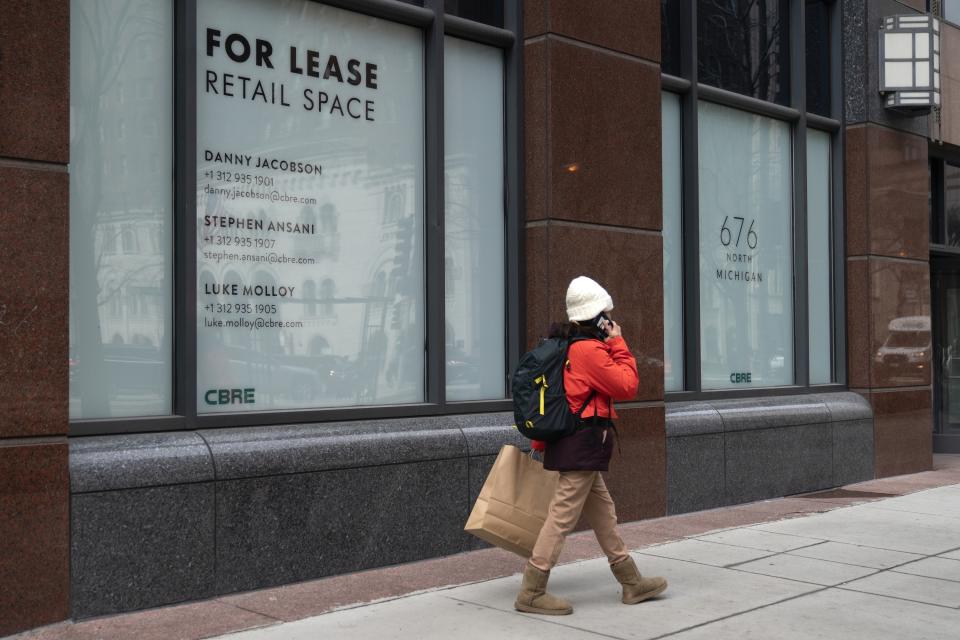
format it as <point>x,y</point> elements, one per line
<point>533,596</point>
<point>636,588</point>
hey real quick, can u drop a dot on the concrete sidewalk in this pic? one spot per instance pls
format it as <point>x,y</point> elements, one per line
<point>890,569</point>
<point>879,559</point>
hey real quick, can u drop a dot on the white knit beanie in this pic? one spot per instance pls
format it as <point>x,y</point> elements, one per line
<point>586,299</point>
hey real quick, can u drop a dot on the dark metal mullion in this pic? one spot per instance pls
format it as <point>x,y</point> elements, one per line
<point>798,99</point>
<point>837,212</point>
<point>370,412</point>
<point>513,189</point>
<point>435,338</point>
<point>127,425</point>
<point>752,392</point>
<point>821,122</point>
<point>673,83</point>
<point>185,212</point>
<point>388,9</point>
<point>690,207</point>
<point>748,103</point>
<point>479,32</point>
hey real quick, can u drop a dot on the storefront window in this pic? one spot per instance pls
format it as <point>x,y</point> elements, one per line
<point>672,244</point>
<point>671,30</point>
<point>310,167</point>
<point>474,220</point>
<point>819,256</point>
<point>951,203</point>
<point>486,11</point>
<point>818,52</point>
<point>121,209</point>
<point>743,46</point>
<point>746,272</point>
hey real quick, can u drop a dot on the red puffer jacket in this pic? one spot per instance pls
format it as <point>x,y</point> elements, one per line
<point>610,370</point>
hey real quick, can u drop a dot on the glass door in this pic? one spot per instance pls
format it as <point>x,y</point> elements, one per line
<point>945,278</point>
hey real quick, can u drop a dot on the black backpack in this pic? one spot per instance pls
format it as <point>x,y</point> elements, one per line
<point>539,399</point>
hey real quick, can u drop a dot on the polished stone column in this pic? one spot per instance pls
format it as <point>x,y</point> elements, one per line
<point>593,200</point>
<point>887,247</point>
<point>34,308</point>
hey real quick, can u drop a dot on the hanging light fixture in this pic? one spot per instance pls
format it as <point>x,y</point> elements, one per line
<point>910,62</point>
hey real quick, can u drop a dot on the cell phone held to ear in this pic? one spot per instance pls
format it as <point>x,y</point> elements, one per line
<point>602,322</point>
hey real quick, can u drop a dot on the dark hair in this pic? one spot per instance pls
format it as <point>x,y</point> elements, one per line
<point>574,329</point>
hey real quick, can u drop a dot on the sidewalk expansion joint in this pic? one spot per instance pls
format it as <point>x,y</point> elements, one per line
<point>739,613</point>
<point>534,618</point>
<point>887,595</point>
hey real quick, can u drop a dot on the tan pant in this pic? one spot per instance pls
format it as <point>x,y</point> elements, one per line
<point>579,492</point>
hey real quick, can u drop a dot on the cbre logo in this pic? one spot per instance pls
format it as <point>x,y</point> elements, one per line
<point>229,396</point>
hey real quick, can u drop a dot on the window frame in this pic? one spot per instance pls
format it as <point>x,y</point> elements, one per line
<point>691,92</point>
<point>434,24</point>
<point>939,156</point>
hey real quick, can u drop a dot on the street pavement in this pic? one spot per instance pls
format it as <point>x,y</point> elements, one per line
<point>885,569</point>
<point>876,559</point>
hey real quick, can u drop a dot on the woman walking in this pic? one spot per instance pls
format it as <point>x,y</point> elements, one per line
<point>600,369</point>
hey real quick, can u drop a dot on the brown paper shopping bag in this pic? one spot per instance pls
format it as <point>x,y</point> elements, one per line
<point>513,502</point>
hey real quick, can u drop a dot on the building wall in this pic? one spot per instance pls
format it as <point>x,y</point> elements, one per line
<point>887,246</point>
<point>593,200</point>
<point>949,84</point>
<point>34,491</point>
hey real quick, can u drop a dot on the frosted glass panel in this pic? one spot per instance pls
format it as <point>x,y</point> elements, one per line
<point>474,224</point>
<point>898,45</point>
<point>746,276</point>
<point>922,42</point>
<point>819,256</point>
<point>121,208</point>
<point>672,244</point>
<point>310,288</point>
<point>898,74</point>
<point>923,74</point>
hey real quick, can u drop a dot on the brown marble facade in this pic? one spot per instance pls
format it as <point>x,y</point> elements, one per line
<point>888,290</point>
<point>34,79</point>
<point>593,201</point>
<point>34,482</point>
<point>950,83</point>
<point>902,422</point>
<point>34,531</point>
<point>638,464</point>
<point>33,314</point>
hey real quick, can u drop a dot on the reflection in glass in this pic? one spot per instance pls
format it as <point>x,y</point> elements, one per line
<point>486,11</point>
<point>946,287</point>
<point>746,274</point>
<point>324,298</point>
<point>671,27</point>
<point>951,202</point>
<point>904,354</point>
<point>672,245</point>
<point>743,46</point>
<point>819,256</point>
<point>474,221</point>
<point>818,56</point>
<point>121,208</point>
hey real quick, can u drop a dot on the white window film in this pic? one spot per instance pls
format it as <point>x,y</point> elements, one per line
<point>672,244</point>
<point>121,209</point>
<point>746,275</point>
<point>310,138</point>
<point>819,256</point>
<point>474,221</point>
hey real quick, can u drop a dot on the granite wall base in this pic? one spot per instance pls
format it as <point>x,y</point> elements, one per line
<point>164,518</point>
<point>734,451</point>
